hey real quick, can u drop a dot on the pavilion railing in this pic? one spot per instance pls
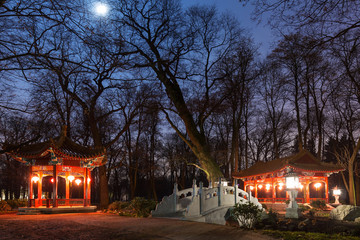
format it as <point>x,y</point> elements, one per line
<point>279,200</point>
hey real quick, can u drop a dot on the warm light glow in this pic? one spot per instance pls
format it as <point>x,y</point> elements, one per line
<point>251,187</point>
<point>35,179</point>
<point>260,186</point>
<point>101,9</point>
<point>336,192</point>
<point>317,185</point>
<point>71,178</point>
<point>301,186</point>
<point>89,179</point>
<point>267,187</point>
<point>78,181</point>
<point>52,180</point>
<point>280,186</point>
<point>292,182</point>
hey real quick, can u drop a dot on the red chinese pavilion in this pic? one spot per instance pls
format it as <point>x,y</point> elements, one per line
<point>266,180</point>
<point>63,168</point>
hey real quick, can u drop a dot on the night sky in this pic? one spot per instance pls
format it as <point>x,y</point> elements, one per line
<point>261,33</point>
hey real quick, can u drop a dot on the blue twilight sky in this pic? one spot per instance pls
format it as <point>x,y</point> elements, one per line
<point>261,33</point>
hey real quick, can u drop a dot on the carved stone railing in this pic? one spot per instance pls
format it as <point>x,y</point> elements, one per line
<point>197,201</point>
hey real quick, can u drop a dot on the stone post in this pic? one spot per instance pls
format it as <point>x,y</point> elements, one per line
<point>219,192</point>
<point>235,190</point>
<point>202,197</point>
<point>194,188</point>
<point>175,196</point>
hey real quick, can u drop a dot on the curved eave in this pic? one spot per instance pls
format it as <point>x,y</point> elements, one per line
<point>61,154</point>
<point>294,167</point>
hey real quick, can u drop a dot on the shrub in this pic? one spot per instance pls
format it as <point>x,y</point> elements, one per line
<point>304,208</point>
<point>4,206</point>
<point>247,214</point>
<point>141,207</point>
<point>138,207</point>
<point>117,206</point>
<point>16,203</point>
<point>306,235</point>
<point>318,204</point>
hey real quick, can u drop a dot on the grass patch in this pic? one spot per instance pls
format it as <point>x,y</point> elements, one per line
<point>287,235</point>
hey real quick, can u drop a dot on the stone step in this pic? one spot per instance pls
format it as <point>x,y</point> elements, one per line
<point>29,212</point>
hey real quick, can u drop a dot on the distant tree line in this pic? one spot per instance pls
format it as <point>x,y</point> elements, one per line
<point>176,94</point>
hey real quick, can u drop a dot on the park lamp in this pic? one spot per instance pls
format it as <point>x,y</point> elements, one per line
<point>336,194</point>
<point>292,184</point>
<point>292,181</point>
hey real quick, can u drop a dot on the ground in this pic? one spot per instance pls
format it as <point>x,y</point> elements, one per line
<point>109,226</point>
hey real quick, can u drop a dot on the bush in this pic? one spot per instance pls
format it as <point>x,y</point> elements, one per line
<point>4,206</point>
<point>141,207</point>
<point>117,206</point>
<point>138,207</point>
<point>307,235</point>
<point>247,214</point>
<point>304,208</point>
<point>16,203</point>
<point>318,204</point>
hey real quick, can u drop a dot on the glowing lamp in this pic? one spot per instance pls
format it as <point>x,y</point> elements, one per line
<point>301,186</point>
<point>35,179</point>
<point>291,181</point>
<point>317,185</point>
<point>280,186</point>
<point>52,180</point>
<point>336,192</point>
<point>267,187</point>
<point>251,188</point>
<point>260,186</point>
<point>89,179</point>
<point>71,178</point>
<point>78,181</point>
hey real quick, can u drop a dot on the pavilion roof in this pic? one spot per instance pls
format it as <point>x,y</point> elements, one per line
<point>58,151</point>
<point>303,161</point>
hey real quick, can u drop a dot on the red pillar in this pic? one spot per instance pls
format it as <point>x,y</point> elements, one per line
<point>326,190</point>
<point>89,187</point>
<point>273,190</point>
<point>85,186</point>
<point>256,189</point>
<point>30,191</point>
<point>307,190</point>
<point>40,188</point>
<point>67,202</point>
<point>55,186</point>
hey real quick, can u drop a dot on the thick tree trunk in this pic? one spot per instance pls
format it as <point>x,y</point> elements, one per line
<point>197,143</point>
<point>104,188</point>
<point>103,179</point>
<point>357,190</point>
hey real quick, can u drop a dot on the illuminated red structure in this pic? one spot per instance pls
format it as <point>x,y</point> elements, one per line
<point>266,181</point>
<point>59,163</point>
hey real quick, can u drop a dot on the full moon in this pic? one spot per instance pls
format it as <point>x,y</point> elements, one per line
<point>101,9</point>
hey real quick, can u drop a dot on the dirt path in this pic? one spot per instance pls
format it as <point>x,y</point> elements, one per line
<point>106,226</point>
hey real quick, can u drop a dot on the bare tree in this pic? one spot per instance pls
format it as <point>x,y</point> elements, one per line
<point>180,49</point>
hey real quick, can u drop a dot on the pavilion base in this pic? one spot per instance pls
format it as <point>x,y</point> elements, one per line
<point>56,210</point>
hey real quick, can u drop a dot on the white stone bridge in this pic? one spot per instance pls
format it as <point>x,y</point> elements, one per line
<point>202,204</point>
